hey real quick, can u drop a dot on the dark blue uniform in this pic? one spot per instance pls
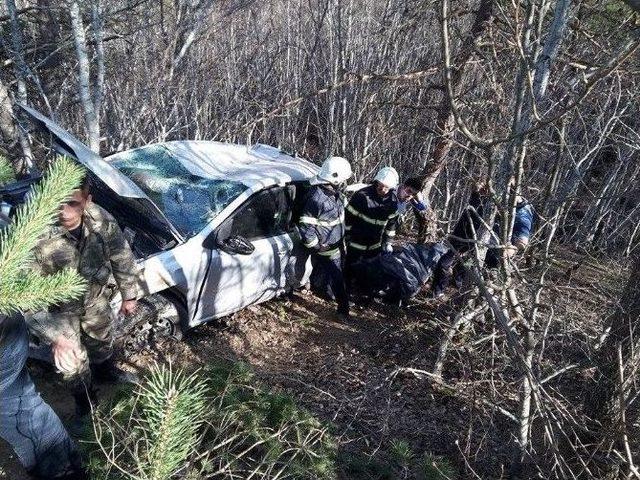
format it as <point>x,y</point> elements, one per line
<point>371,221</point>
<point>322,229</point>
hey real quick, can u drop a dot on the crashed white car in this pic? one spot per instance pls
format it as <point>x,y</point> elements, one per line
<point>211,224</point>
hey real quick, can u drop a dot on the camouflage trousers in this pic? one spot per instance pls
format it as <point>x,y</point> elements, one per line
<point>91,328</point>
<point>95,338</point>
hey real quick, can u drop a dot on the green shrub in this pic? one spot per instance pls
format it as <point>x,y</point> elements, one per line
<point>6,171</point>
<point>433,467</point>
<point>215,423</point>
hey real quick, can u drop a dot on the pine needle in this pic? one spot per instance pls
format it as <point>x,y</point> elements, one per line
<point>6,171</point>
<point>19,287</point>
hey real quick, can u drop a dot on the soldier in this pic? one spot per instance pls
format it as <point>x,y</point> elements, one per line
<point>86,238</point>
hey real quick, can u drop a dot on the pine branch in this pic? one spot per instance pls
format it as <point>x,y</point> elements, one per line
<point>34,292</point>
<point>174,407</point>
<point>6,171</point>
<point>35,216</point>
<point>19,288</point>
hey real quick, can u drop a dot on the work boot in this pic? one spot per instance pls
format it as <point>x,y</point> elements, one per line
<point>71,474</point>
<point>108,372</point>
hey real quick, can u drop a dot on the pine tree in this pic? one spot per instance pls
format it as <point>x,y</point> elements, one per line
<point>6,172</point>
<point>20,288</point>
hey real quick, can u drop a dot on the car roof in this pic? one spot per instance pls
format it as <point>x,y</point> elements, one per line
<point>255,166</point>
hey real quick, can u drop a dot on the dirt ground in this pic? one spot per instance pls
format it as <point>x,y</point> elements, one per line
<point>348,374</point>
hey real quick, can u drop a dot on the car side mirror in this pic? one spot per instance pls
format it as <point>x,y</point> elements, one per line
<point>234,245</point>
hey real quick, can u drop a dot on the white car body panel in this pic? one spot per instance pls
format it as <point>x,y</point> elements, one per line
<point>213,282</point>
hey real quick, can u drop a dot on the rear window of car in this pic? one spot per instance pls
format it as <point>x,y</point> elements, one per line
<point>189,201</point>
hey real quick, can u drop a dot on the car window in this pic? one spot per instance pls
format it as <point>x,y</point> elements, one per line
<point>265,214</point>
<point>189,201</point>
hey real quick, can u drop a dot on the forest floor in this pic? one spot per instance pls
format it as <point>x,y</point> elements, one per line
<point>350,374</point>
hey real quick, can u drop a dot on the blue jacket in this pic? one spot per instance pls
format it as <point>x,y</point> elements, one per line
<point>523,223</point>
<point>470,221</point>
<point>321,223</point>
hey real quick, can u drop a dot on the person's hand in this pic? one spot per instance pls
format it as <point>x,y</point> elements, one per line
<point>521,243</point>
<point>67,354</point>
<point>128,307</point>
<point>387,247</point>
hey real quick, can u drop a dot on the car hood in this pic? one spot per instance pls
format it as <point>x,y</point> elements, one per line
<point>66,144</point>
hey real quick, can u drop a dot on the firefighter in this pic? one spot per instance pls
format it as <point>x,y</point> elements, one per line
<point>88,239</point>
<point>372,217</point>
<point>322,229</point>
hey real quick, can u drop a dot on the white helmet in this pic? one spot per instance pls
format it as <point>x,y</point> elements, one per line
<point>334,170</point>
<point>388,177</point>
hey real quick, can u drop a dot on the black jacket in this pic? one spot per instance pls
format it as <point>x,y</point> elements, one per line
<point>371,220</point>
<point>401,274</point>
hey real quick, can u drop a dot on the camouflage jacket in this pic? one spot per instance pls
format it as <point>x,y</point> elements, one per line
<point>100,255</point>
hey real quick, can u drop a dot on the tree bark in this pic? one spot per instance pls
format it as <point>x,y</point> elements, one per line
<point>445,121</point>
<point>23,163</point>
<point>84,82</point>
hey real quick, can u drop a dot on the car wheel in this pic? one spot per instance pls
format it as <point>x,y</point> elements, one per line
<point>156,319</point>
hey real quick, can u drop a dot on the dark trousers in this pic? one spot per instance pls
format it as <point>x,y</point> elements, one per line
<point>448,267</point>
<point>354,255</point>
<point>27,423</point>
<point>327,278</point>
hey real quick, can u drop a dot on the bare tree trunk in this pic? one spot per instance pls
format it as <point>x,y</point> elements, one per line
<point>24,164</point>
<point>445,121</point>
<point>84,82</point>
<point>8,131</point>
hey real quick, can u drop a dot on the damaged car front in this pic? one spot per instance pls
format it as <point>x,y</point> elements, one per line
<point>177,208</point>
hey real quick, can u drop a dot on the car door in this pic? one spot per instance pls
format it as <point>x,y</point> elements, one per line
<point>233,280</point>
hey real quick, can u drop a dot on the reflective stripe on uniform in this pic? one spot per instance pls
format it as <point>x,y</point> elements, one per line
<point>359,246</point>
<point>330,253</point>
<point>312,243</point>
<point>369,219</point>
<point>322,223</point>
<point>390,233</point>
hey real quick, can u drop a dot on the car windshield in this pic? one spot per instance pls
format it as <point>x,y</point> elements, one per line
<point>189,201</point>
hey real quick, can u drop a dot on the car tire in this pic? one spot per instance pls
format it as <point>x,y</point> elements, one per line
<point>156,319</point>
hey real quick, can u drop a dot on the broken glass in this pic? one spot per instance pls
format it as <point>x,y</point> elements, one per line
<point>189,201</point>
